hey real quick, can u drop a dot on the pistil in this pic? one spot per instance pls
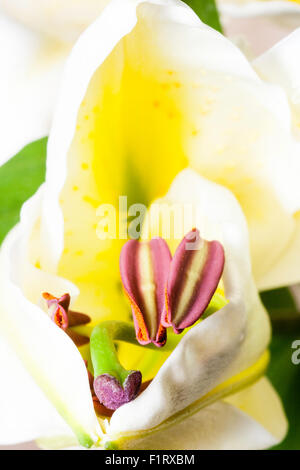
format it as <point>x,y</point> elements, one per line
<point>113,384</point>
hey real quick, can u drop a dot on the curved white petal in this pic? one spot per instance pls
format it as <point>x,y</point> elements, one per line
<point>46,351</point>
<point>287,268</point>
<point>63,19</point>
<point>261,402</point>
<point>31,66</point>
<point>220,426</point>
<point>222,345</point>
<point>25,413</point>
<point>278,66</point>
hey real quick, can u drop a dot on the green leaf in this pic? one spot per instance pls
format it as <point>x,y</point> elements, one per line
<point>20,177</point>
<point>207,12</point>
<point>282,308</point>
<point>285,376</point>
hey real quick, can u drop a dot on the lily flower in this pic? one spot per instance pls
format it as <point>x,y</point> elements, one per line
<point>148,90</point>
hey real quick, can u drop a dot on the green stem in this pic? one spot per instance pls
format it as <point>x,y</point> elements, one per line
<point>103,351</point>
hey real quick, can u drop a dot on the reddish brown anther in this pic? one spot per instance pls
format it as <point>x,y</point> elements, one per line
<point>65,318</point>
<point>59,307</point>
<point>144,268</point>
<point>194,275</point>
<point>169,292</point>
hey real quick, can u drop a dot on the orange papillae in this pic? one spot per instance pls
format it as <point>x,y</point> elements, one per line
<point>142,334</point>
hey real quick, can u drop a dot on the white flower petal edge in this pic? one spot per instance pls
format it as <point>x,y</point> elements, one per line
<point>46,351</point>
<point>31,66</point>
<point>279,66</point>
<point>63,19</point>
<point>225,425</point>
<point>25,412</point>
<point>221,346</point>
<point>261,402</point>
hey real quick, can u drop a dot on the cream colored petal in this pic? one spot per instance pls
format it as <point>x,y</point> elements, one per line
<point>47,352</point>
<point>261,402</point>
<point>286,270</point>
<point>25,413</point>
<point>278,66</point>
<point>31,67</point>
<point>250,420</point>
<point>63,19</point>
<point>224,344</point>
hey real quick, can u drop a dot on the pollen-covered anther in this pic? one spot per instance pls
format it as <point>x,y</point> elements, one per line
<point>112,393</point>
<point>194,275</point>
<point>144,268</point>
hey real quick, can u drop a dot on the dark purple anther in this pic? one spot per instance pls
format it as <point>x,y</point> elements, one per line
<point>111,393</point>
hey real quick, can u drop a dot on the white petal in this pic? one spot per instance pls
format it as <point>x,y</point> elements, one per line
<point>224,426</point>
<point>278,66</point>
<point>64,19</point>
<point>287,268</point>
<point>261,402</point>
<point>46,351</point>
<point>31,66</point>
<point>222,345</point>
<point>25,413</point>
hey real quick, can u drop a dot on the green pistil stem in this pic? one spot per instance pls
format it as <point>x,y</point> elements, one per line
<point>103,352</point>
